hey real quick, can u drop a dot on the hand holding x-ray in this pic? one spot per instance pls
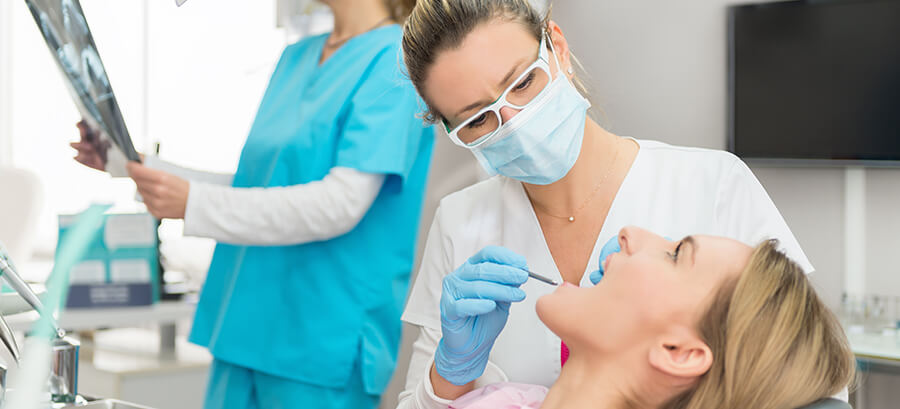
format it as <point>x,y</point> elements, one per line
<point>65,29</point>
<point>92,149</point>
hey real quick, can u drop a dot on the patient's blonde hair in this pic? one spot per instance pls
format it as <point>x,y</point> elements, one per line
<point>775,344</point>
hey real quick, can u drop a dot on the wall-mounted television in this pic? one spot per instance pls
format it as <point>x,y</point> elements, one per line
<point>815,82</point>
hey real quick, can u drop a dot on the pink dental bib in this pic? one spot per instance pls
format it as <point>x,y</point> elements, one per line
<point>503,396</point>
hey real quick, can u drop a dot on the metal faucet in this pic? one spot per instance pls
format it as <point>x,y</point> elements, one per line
<point>63,380</point>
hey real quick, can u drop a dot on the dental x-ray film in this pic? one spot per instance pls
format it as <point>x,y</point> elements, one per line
<point>65,29</point>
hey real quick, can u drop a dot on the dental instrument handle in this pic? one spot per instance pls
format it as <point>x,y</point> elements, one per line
<point>9,340</point>
<point>17,283</point>
<point>542,278</point>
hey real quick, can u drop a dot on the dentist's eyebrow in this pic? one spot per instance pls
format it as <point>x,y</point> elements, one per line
<point>502,85</point>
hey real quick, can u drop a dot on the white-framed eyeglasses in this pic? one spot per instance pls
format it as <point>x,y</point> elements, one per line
<point>479,128</point>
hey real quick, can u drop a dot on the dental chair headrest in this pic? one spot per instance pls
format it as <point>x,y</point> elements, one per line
<point>828,404</point>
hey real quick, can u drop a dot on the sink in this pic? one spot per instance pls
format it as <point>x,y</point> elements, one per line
<point>110,404</point>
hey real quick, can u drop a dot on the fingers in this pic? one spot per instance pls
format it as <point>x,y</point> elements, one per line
<point>84,148</point>
<point>164,194</point>
<point>470,308</point>
<point>83,128</point>
<point>156,204</point>
<point>144,175</point>
<point>86,132</point>
<point>149,181</point>
<point>149,193</point>
<point>486,281</point>
<point>497,273</point>
<point>89,158</point>
<point>154,196</point>
<point>611,246</point>
<point>499,255</point>
<point>596,276</point>
<point>487,290</point>
<point>91,161</point>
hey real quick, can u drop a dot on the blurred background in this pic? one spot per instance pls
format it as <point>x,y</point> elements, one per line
<point>189,80</point>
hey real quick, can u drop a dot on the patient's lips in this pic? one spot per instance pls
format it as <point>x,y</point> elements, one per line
<point>606,263</point>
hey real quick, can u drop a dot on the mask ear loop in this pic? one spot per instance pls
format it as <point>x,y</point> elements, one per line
<point>553,51</point>
<point>569,70</point>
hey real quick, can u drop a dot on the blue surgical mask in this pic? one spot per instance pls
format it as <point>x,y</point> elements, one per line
<point>540,144</point>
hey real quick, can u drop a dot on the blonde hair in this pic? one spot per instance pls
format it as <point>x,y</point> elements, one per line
<point>775,344</point>
<point>400,9</point>
<point>435,26</point>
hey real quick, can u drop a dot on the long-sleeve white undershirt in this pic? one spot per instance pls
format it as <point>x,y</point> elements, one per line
<point>418,392</point>
<point>314,211</point>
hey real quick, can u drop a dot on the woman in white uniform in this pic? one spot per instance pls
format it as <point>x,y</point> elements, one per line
<point>500,78</point>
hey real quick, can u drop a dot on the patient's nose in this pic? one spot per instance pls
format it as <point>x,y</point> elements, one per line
<point>633,239</point>
<point>627,238</point>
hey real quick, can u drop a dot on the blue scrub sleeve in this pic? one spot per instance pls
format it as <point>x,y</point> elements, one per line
<point>382,133</point>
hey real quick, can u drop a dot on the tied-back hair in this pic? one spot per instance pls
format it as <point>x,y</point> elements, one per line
<point>775,345</point>
<point>435,26</point>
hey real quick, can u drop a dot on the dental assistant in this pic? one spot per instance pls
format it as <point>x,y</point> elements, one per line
<point>316,229</point>
<point>500,78</point>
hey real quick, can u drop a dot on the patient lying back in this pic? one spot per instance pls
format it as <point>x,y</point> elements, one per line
<point>705,322</point>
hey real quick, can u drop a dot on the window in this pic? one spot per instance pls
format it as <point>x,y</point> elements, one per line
<point>188,78</point>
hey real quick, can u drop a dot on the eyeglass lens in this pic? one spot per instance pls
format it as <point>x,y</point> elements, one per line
<point>521,94</point>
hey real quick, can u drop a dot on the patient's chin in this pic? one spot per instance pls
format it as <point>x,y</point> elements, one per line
<point>554,312</point>
<point>547,309</point>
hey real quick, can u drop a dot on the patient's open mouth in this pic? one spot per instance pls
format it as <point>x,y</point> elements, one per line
<point>606,263</point>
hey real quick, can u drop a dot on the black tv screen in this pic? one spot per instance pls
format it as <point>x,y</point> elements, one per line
<point>815,80</point>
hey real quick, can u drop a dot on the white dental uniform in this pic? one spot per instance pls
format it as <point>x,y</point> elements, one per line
<point>669,190</point>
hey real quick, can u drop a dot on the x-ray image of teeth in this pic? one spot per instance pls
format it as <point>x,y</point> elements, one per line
<point>65,29</point>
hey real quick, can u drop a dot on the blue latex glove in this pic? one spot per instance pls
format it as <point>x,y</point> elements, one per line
<point>474,307</point>
<point>611,246</point>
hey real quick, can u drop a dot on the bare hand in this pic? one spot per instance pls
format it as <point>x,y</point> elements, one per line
<point>91,149</point>
<point>164,193</point>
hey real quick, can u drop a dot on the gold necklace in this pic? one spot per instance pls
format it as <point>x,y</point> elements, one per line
<point>571,218</point>
<point>334,44</point>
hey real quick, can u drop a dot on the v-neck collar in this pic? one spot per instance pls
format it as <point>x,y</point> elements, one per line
<point>595,252</point>
<point>340,51</point>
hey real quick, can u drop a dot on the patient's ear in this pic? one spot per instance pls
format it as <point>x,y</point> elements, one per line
<point>681,356</point>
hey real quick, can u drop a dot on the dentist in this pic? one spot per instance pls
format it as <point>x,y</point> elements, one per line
<point>500,78</point>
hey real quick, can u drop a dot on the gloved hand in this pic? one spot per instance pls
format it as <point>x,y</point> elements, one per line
<point>611,246</point>
<point>474,307</point>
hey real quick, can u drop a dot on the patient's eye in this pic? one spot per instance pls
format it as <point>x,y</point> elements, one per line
<point>674,256</point>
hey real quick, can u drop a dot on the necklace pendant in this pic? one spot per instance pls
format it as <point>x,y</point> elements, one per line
<point>571,219</point>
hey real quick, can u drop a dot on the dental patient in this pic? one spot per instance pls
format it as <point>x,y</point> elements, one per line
<point>702,323</point>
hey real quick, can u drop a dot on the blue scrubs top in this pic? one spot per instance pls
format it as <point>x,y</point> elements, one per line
<point>307,312</point>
